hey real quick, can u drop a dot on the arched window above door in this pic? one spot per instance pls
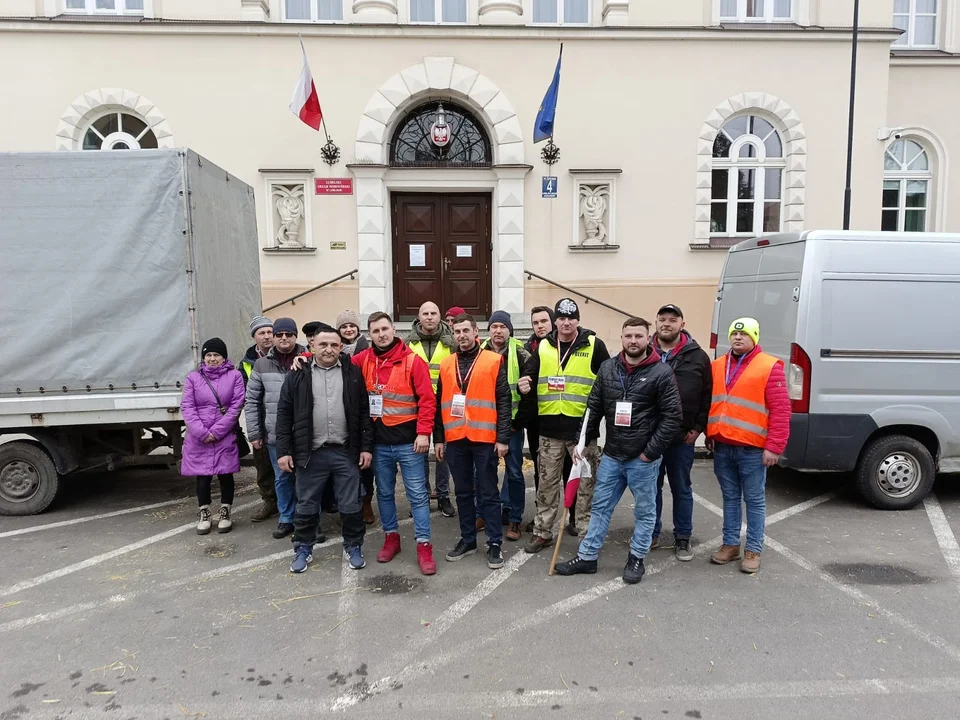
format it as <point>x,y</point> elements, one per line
<point>438,134</point>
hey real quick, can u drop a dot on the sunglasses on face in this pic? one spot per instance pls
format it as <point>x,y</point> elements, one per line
<point>284,335</point>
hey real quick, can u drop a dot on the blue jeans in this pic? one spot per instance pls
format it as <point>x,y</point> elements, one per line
<point>474,464</point>
<point>677,464</point>
<point>613,477</point>
<point>285,483</point>
<point>385,461</point>
<point>513,494</point>
<point>743,480</point>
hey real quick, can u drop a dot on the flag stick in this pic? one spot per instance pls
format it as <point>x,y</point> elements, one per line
<point>556,549</point>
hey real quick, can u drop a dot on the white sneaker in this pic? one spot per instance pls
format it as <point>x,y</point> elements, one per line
<point>203,520</point>
<point>224,524</point>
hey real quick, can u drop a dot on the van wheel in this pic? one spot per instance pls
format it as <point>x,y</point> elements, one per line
<point>895,472</point>
<point>28,479</point>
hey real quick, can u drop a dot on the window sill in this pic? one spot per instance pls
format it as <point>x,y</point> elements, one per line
<point>595,247</point>
<point>720,243</point>
<point>289,251</point>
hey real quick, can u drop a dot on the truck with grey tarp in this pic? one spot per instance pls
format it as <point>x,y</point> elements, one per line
<point>116,266</point>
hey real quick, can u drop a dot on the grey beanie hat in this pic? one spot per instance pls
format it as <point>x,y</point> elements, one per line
<point>260,321</point>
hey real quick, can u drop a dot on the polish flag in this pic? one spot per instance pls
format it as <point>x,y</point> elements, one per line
<point>305,104</point>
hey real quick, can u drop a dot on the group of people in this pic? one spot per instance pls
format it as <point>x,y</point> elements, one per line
<point>330,420</point>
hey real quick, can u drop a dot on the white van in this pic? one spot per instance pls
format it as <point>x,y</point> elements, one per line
<point>866,324</point>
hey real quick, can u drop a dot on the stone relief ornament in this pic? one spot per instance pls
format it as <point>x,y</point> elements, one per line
<point>289,203</point>
<point>594,206</point>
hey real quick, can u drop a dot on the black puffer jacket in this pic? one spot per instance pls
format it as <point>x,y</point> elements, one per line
<point>295,413</point>
<point>655,401</point>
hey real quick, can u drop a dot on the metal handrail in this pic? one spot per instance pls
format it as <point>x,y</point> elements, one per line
<point>293,300</point>
<point>589,299</point>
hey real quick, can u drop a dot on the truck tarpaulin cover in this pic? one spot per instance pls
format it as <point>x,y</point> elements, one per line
<point>96,248</point>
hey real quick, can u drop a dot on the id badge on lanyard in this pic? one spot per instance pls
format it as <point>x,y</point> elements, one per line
<point>624,414</point>
<point>556,383</point>
<point>458,406</point>
<point>376,405</point>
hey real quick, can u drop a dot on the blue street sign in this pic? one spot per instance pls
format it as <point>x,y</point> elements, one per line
<point>549,187</point>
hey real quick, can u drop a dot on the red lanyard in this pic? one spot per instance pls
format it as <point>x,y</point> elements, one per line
<point>560,361</point>
<point>463,381</point>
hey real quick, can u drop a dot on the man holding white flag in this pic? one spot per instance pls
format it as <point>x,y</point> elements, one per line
<point>637,396</point>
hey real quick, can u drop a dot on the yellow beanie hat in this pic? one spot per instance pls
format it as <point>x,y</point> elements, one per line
<point>746,325</point>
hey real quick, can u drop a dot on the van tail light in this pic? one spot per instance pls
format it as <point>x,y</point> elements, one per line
<point>798,379</point>
<point>713,341</point>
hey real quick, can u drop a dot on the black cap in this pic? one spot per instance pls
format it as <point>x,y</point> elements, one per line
<point>316,326</point>
<point>671,309</point>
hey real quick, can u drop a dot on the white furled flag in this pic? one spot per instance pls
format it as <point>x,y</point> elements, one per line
<point>305,103</point>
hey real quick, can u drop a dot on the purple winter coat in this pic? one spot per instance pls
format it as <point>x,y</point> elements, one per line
<point>202,416</point>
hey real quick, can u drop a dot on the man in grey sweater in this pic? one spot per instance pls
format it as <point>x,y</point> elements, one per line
<point>260,410</point>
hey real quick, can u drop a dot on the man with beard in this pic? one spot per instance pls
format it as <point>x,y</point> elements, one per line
<point>260,411</point>
<point>432,340</point>
<point>261,330</point>
<point>562,370</point>
<point>472,430</point>
<point>402,408</point>
<point>691,368</point>
<point>637,397</point>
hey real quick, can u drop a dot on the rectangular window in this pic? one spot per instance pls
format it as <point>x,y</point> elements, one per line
<point>108,7</point>
<point>454,11</point>
<point>313,10</point>
<point>442,11</point>
<point>561,12</point>
<point>751,11</point>
<point>904,206</point>
<point>918,20</point>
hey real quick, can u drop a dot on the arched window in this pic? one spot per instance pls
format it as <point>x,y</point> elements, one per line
<point>747,182</point>
<point>906,187</point>
<point>437,135</point>
<point>119,131</point>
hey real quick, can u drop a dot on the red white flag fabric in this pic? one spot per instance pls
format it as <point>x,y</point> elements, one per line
<point>305,103</point>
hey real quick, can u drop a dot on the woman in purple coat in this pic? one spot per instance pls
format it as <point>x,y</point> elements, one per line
<point>212,401</point>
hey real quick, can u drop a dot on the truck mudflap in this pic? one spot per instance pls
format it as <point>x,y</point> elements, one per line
<point>826,442</point>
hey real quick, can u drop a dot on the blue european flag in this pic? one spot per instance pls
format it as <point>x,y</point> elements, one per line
<point>543,128</point>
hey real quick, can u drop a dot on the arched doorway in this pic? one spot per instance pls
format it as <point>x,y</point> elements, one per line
<point>441,240</point>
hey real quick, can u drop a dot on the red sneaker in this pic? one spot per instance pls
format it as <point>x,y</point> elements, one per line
<point>391,547</point>
<point>425,558</point>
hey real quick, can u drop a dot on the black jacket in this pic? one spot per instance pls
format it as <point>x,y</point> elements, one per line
<point>561,427</point>
<point>655,403</point>
<point>527,409</point>
<point>295,413</point>
<point>504,400</point>
<point>691,367</point>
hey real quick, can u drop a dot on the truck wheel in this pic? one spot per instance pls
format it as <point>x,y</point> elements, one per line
<point>895,472</point>
<point>28,479</point>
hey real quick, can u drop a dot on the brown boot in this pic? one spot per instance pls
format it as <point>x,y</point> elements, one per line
<point>513,532</point>
<point>536,544</point>
<point>368,517</point>
<point>480,524</point>
<point>265,511</point>
<point>726,554</point>
<point>751,562</point>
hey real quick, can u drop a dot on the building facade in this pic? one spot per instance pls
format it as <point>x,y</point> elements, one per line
<point>682,127</point>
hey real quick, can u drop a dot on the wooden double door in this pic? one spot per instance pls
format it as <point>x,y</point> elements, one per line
<point>442,253</point>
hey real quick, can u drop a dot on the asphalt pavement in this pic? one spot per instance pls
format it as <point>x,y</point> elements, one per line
<point>112,606</point>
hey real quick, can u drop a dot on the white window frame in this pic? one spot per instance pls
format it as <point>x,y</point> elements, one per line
<point>120,8</point>
<point>438,15</point>
<point>908,39</point>
<point>903,177</point>
<point>314,14</point>
<point>760,164</point>
<point>768,13</point>
<point>110,141</point>
<point>560,18</point>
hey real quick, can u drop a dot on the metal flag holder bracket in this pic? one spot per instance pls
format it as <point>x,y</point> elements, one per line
<point>330,152</point>
<point>550,154</point>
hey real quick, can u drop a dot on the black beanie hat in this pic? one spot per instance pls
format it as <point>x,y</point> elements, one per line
<point>214,345</point>
<point>567,307</point>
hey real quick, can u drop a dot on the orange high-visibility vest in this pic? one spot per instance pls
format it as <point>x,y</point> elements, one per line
<point>479,422</point>
<point>399,398</point>
<point>741,414</point>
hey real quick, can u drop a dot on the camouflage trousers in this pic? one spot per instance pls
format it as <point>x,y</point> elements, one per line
<point>550,492</point>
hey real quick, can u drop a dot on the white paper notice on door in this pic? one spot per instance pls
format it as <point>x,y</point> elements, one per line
<point>464,250</point>
<point>418,255</point>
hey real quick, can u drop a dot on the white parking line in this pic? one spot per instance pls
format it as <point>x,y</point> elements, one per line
<point>849,590</point>
<point>347,610</point>
<point>97,559</point>
<point>944,533</point>
<point>91,518</point>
